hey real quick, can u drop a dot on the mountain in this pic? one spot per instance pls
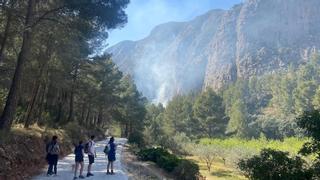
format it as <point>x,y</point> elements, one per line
<point>221,46</point>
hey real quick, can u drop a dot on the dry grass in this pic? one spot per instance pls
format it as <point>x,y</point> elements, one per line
<point>219,171</point>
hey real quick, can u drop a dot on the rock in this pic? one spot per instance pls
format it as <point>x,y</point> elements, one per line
<point>252,38</point>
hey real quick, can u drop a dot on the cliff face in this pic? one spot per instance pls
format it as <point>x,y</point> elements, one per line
<point>253,38</point>
<point>172,59</point>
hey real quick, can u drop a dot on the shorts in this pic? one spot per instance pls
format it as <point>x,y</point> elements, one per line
<point>91,159</point>
<point>79,159</point>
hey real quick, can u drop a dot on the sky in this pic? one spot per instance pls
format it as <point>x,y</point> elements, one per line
<point>144,15</point>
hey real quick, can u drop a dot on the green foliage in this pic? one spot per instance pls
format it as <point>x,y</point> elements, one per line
<point>310,122</point>
<point>209,111</point>
<point>186,170</point>
<point>232,150</point>
<point>272,164</point>
<point>181,168</point>
<point>161,157</point>
<point>136,137</point>
<point>238,124</point>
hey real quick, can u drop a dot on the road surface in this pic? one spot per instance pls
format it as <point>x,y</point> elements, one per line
<point>99,168</point>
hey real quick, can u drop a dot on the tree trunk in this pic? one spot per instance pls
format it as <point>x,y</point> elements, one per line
<point>74,79</point>
<point>33,100</point>
<point>126,130</point>
<point>99,121</point>
<point>87,117</point>
<point>27,119</point>
<point>6,31</point>
<point>11,102</point>
<point>41,103</point>
<point>81,121</point>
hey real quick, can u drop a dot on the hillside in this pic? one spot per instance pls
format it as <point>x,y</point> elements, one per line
<point>221,46</point>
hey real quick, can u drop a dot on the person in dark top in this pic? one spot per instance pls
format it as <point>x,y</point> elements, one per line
<point>111,155</point>
<point>79,154</point>
<point>53,151</point>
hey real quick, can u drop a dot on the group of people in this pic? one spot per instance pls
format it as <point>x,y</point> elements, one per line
<point>53,151</point>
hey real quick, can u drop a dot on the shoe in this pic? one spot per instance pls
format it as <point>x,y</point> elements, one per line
<point>89,174</point>
<point>75,178</point>
<point>108,173</point>
<point>81,177</point>
<point>48,175</point>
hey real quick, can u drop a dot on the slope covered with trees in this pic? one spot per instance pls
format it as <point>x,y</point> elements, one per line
<point>48,74</point>
<point>265,105</point>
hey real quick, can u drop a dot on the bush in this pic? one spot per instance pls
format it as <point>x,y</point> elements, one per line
<point>272,164</point>
<point>152,154</point>
<point>181,168</point>
<point>187,170</point>
<point>168,162</point>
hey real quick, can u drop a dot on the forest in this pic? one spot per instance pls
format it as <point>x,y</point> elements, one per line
<point>241,119</point>
<point>52,75</point>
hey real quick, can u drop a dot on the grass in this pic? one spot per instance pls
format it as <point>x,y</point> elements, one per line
<point>219,171</point>
<point>291,145</point>
<point>234,149</point>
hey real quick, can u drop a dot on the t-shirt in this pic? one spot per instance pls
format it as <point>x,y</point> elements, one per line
<point>78,151</point>
<point>92,149</point>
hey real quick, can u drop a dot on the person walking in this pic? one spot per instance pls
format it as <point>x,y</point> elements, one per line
<point>111,155</point>
<point>91,154</point>
<point>53,151</point>
<point>79,154</point>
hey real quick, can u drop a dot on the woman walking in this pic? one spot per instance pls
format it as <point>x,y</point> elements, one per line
<point>111,155</point>
<point>53,151</point>
<point>79,154</point>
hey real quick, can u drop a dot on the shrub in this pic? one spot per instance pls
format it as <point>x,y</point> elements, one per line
<point>168,162</point>
<point>152,154</point>
<point>181,168</point>
<point>272,164</point>
<point>187,170</point>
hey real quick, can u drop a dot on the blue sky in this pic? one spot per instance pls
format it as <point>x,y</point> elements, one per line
<point>143,15</point>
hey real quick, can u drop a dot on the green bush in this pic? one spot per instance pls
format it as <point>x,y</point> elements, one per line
<point>168,162</point>
<point>187,170</point>
<point>181,168</point>
<point>272,164</point>
<point>152,154</point>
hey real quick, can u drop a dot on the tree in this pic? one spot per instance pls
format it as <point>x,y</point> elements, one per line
<point>272,164</point>
<point>209,110</point>
<point>91,18</point>
<point>207,154</point>
<point>238,123</point>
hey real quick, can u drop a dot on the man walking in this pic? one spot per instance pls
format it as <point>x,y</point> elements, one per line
<point>91,154</point>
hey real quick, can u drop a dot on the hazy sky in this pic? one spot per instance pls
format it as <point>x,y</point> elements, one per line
<point>143,15</point>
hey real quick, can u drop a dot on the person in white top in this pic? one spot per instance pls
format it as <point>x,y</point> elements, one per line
<point>91,155</point>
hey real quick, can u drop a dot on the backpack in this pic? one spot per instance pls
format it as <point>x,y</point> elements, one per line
<point>53,149</point>
<point>106,149</point>
<point>86,147</point>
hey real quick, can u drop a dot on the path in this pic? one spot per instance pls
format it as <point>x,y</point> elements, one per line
<point>99,167</point>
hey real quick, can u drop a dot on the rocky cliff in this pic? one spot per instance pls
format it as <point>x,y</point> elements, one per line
<point>253,38</point>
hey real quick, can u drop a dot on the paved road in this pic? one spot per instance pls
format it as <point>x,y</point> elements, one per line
<point>99,167</point>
